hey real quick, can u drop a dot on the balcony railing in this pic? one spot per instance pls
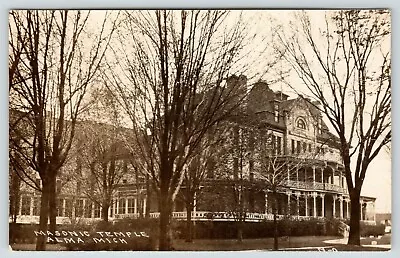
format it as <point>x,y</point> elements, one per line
<point>315,186</point>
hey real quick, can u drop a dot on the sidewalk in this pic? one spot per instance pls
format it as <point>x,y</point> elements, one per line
<point>343,241</point>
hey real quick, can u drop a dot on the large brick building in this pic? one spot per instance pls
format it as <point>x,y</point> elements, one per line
<point>295,129</point>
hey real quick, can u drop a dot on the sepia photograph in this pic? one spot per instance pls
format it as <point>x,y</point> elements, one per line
<point>199,130</point>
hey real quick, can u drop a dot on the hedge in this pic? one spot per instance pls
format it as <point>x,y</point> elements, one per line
<point>228,229</point>
<point>371,230</point>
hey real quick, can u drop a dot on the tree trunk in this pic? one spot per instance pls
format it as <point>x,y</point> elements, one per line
<point>104,211</point>
<point>52,203</point>
<point>354,234</point>
<point>240,229</point>
<point>44,210</point>
<point>165,241</point>
<point>189,223</point>
<point>15,195</point>
<point>148,197</point>
<point>275,211</point>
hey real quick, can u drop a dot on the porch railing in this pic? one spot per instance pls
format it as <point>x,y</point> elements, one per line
<point>315,186</point>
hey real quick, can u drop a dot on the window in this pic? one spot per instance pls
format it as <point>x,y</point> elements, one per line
<point>96,210</point>
<point>301,124</point>
<point>68,208</point>
<point>319,125</point>
<point>79,208</point>
<point>121,206</point>
<point>131,204</point>
<point>88,209</point>
<point>309,147</point>
<point>304,147</point>
<point>124,181</point>
<point>26,205</point>
<point>273,143</point>
<point>298,147</point>
<point>276,113</point>
<point>293,147</point>
<point>60,207</point>
<point>279,145</point>
<point>36,206</point>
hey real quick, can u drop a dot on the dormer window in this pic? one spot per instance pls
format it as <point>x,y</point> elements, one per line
<point>319,125</point>
<point>301,123</point>
<point>276,113</point>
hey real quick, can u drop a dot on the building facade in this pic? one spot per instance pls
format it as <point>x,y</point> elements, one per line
<point>272,122</point>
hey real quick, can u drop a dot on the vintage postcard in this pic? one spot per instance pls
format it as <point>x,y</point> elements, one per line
<point>200,130</point>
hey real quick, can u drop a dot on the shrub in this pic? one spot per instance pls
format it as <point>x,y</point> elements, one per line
<point>228,229</point>
<point>371,230</point>
<point>22,233</point>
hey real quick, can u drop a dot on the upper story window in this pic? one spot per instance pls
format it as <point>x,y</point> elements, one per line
<point>301,123</point>
<point>319,125</point>
<point>276,113</point>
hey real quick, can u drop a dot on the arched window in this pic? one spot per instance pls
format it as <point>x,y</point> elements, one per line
<point>301,123</point>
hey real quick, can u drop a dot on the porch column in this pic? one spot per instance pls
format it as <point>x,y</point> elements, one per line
<point>126,205</point>
<point>298,204</point>
<point>322,175</point>
<point>117,204</point>
<point>374,211</point>
<point>315,204</point>
<point>135,205</point>
<point>288,201</point>
<point>84,209</point>
<point>266,202</point>
<point>341,206</point>
<point>144,206</point>
<point>323,205</point>
<point>306,201</point>
<point>313,170</point>
<point>31,200</point>
<point>361,209</point>
<point>93,206</point>
<point>347,209</point>
<point>113,208</point>
<point>334,206</point>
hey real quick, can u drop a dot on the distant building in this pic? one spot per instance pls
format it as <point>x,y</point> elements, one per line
<point>384,218</point>
<point>296,128</point>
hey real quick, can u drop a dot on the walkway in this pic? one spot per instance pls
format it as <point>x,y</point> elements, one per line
<point>343,241</point>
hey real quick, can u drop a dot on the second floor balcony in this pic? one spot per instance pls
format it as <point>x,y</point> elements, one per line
<point>316,186</point>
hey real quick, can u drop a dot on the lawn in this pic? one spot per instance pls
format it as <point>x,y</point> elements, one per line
<point>250,244</point>
<point>313,243</point>
<point>384,240</point>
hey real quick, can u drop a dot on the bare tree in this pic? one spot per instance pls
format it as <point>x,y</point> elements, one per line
<point>52,67</point>
<point>199,169</point>
<point>174,66</point>
<point>347,68</point>
<point>104,161</point>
